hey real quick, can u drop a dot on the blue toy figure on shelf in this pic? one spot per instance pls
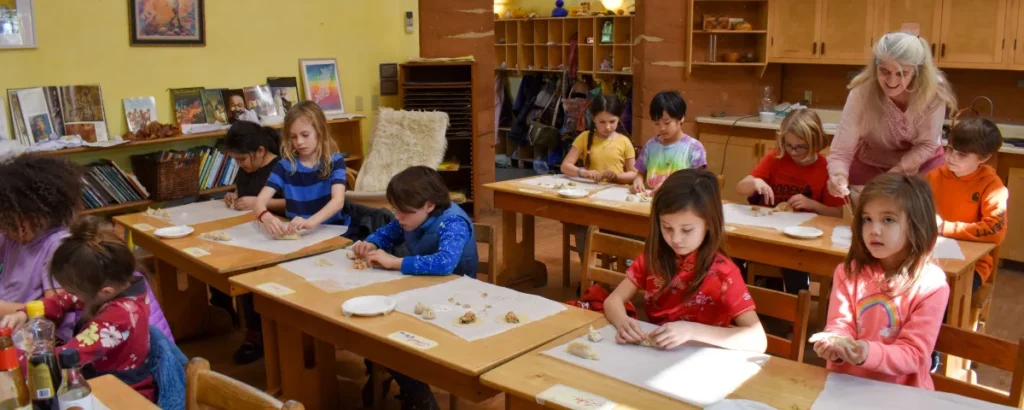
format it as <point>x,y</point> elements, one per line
<point>559,11</point>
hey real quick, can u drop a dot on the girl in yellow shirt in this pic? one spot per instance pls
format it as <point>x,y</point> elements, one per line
<point>607,155</point>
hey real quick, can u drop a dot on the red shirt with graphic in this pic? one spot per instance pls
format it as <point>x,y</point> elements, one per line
<point>719,299</point>
<point>787,178</point>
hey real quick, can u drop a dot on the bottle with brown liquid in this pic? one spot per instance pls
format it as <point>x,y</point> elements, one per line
<point>13,392</point>
<point>43,373</point>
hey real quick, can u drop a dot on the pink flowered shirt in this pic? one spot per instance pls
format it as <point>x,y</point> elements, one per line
<point>718,301</point>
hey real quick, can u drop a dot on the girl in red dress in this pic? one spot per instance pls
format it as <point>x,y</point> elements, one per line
<point>691,289</point>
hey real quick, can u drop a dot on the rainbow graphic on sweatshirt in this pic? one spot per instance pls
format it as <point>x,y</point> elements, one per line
<point>883,302</point>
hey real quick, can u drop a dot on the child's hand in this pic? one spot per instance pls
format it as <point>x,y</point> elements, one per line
<point>637,187</point>
<point>607,176</point>
<point>800,202</point>
<point>628,332</point>
<point>229,199</point>
<point>299,223</point>
<point>672,334</point>
<point>14,320</point>
<point>384,260</point>
<point>839,186</point>
<point>588,174</point>
<point>274,226</point>
<point>245,203</point>
<point>765,190</point>
<point>855,354</point>
<point>824,347</point>
<point>938,222</point>
<point>360,249</point>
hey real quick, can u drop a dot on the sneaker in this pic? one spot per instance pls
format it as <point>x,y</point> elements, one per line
<point>421,400</point>
<point>936,362</point>
<point>251,349</point>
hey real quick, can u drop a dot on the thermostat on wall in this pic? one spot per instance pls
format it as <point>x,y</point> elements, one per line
<point>408,22</point>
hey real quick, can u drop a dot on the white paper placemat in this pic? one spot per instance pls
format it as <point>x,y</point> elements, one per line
<point>846,392</point>
<point>340,274</point>
<point>200,212</point>
<point>743,215</point>
<point>699,375</point>
<point>551,181</point>
<point>251,235</point>
<point>478,295</point>
<point>615,193</point>
<point>842,237</point>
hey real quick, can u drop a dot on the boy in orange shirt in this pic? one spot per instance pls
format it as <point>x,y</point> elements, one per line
<point>970,199</point>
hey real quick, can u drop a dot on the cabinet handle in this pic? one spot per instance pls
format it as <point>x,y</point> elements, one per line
<point>815,50</point>
<point>773,41</point>
<point>943,54</point>
<point>933,49</point>
<point>822,48</point>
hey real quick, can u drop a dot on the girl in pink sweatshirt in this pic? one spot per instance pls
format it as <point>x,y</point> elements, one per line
<point>888,297</point>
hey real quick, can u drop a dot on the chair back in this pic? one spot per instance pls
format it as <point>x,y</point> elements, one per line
<point>207,389</point>
<point>608,246</point>
<point>984,349</point>
<point>485,234</point>
<point>791,308</point>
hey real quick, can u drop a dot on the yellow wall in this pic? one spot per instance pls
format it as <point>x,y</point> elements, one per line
<point>86,42</point>
<point>544,7</point>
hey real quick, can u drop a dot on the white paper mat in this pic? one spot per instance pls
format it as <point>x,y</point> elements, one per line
<point>842,237</point>
<point>200,212</point>
<point>743,215</point>
<point>945,248</point>
<point>251,235</point>
<point>490,320</point>
<point>340,275</point>
<point>615,193</point>
<point>846,392</point>
<point>550,181</point>
<point>739,404</point>
<point>699,375</point>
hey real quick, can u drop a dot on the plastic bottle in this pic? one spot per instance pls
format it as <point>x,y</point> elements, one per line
<point>43,373</point>
<point>74,392</point>
<point>13,392</point>
<point>766,104</point>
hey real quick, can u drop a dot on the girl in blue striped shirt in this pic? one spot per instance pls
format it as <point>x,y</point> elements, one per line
<point>311,174</point>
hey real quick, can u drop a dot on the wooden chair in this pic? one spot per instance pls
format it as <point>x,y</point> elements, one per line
<point>791,308</point>
<point>371,199</point>
<point>207,389</point>
<point>486,234</point>
<point>981,301</point>
<point>609,246</point>
<point>981,348</point>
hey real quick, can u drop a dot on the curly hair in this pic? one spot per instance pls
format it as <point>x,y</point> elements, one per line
<point>43,192</point>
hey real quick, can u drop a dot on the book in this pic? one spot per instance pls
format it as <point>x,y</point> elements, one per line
<point>258,98</point>
<point>284,91</point>
<point>53,105</point>
<point>36,115</point>
<point>214,107</point>
<point>20,132</point>
<point>188,105</point>
<point>139,112</point>
<point>5,133</point>
<point>129,178</point>
<point>83,104</point>
<point>235,100</point>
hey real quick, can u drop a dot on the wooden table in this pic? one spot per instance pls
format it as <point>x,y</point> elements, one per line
<point>782,383</point>
<point>301,331</point>
<point>117,396</point>
<point>182,278</point>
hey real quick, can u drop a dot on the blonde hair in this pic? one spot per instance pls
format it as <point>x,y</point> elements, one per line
<point>914,197</point>
<point>804,124</point>
<point>325,147</point>
<point>928,87</point>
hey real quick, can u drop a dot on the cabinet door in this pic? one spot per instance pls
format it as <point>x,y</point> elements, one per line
<point>846,30</point>
<point>795,28</point>
<point>1013,245</point>
<point>734,161</point>
<point>925,13</point>
<point>1018,40</point>
<point>972,31</point>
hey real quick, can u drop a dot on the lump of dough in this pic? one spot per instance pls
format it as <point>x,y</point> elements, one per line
<point>511,317</point>
<point>594,336</point>
<point>219,236</point>
<point>419,308</point>
<point>581,349</point>
<point>784,207</point>
<point>323,262</point>
<point>630,198</point>
<point>289,237</point>
<point>468,318</point>
<point>429,314</point>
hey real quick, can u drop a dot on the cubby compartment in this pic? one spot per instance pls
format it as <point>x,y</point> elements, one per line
<point>512,33</point>
<point>622,59</point>
<point>500,27</point>
<point>587,31</point>
<point>554,57</point>
<point>554,32</point>
<point>622,32</point>
<point>540,32</point>
<point>599,30</point>
<point>525,29</point>
<point>603,53</point>
<point>586,53</point>
<point>540,57</point>
<point>499,54</point>
<point>526,59</point>
<point>570,28</point>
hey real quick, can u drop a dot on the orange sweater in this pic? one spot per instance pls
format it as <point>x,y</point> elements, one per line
<point>972,208</point>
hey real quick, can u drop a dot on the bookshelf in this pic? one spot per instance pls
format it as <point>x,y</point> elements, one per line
<point>130,206</point>
<point>699,50</point>
<point>447,88</point>
<point>540,45</point>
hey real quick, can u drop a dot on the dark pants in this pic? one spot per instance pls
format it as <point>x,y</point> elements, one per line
<point>793,281</point>
<point>408,386</point>
<point>245,304</point>
<point>365,220</point>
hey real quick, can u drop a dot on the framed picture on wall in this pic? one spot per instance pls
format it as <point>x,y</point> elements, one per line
<point>17,24</point>
<point>322,85</point>
<point>167,22</point>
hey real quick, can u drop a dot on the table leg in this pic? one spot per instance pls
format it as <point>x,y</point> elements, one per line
<point>958,311</point>
<point>184,301</point>
<point>824,294</point>
<point>307,369</point>
<point>520,262</point>
<point>271,357</point>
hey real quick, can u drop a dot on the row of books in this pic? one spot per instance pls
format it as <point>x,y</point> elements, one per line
<point>197,105</point>
<point>106,184</point>
<point>47,113</point>
<point>216,168</point>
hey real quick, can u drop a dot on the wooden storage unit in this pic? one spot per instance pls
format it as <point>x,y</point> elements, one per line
<point>973,33</point>
<point>822,31</point>
<point>543,44</point>
<point>447,87</point>
<point>1016,26</point>
<point>1013,245</point>
<point>893,14</point>
<point>698,50</point>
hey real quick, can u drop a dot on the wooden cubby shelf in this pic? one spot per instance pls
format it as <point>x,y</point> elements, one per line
<point>543,44</point>
<point>699,49</point>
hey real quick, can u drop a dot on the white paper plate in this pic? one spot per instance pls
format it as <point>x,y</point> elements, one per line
<point>173,232</point>
<point>368,305</point>
<point>803,232</point>
<point>572,193</point>
<point>739,404</point>
<point>581,179</point>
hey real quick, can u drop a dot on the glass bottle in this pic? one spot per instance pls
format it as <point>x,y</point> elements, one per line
<point>767,104</point>
<point>43,373</point>
<point>74,392</point>
<point>13,392</point>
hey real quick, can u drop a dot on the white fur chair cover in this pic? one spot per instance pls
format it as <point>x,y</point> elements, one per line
<point>402,139</point>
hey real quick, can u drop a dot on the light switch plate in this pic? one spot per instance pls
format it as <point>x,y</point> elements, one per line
<point>374,102</point>
<point>807,96</point>
<point>359,103</point>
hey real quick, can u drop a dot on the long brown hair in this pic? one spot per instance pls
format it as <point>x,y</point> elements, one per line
<point>325,148</point>
<point>914,197</point>
<point>91,258</point>
<point>694,190</point>
<point>600,103</point>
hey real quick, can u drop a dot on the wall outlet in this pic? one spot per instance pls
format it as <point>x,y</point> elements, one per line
<point>1020,83</point>
<point>807,96</point>
<point>359,103</point>
<point>374,102</point>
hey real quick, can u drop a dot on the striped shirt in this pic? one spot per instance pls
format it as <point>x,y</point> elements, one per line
<point>304,192</point>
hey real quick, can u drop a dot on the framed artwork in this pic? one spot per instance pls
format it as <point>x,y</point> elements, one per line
<point>167,22</point>
<point>17,24</point>
<point>321,83</point>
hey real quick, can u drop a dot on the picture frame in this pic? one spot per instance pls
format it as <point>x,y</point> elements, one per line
<point>17,24</point>
<point>322,84</point>
<point>167,22</point>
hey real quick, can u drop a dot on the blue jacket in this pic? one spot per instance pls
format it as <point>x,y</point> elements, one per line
<point>425,240</point>
<point>167,364</point>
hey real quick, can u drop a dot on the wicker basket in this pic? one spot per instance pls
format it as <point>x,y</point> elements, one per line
<point>167,179</point>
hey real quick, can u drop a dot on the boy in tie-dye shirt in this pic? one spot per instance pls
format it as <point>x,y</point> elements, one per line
<point>671,150</point>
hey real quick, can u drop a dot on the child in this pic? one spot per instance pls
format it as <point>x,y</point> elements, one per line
<point>669,151</point>
<point>38,199</point>
<point>440,240</point>
<point>97,272</point>
<point>691,289</point>
<point>607,155</point>
<point>794,173</point>
<point>311,176</point>
<point>888,297</point>
<point>255,149</point>
<point>970,197</point>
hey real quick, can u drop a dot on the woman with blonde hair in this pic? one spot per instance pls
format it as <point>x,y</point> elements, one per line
<point>892,120</point>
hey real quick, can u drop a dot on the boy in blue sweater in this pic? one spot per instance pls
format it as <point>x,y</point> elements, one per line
<point>439,238</point>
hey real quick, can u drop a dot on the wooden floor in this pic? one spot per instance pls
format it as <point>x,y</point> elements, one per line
<point>1007,312</point>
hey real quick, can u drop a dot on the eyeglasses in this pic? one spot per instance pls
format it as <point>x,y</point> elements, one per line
<point>795,148</point>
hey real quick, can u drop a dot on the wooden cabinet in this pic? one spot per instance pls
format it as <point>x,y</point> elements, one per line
<point>1013,245</point>
<point>972,32</point>
<point>734,161</point>
<point>1017,46</point>
<point>927,14</point>
<point>822,31</point>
